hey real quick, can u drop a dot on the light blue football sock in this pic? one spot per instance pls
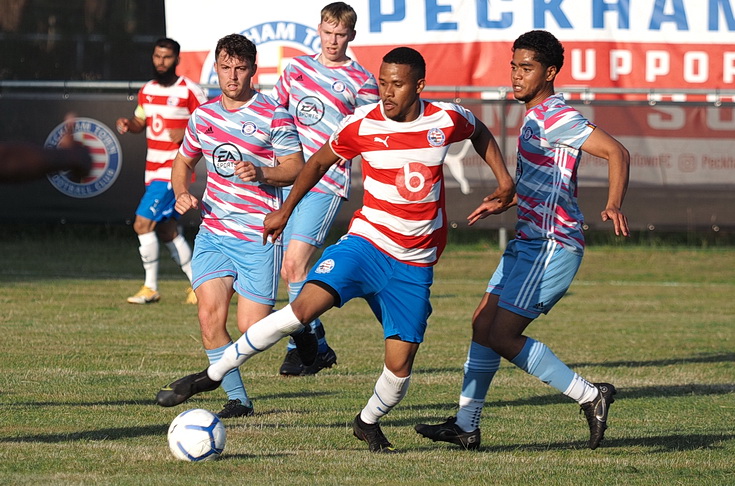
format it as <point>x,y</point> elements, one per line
<point>232,381</point>
<point>479,369</point>
<point>316,325</point>
<point>538,360</point>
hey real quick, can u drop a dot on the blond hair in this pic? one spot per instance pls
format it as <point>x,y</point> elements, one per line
<point>340,13</point>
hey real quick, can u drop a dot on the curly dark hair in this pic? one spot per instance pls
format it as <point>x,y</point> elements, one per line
<point>410,57</point>
<point>237,46</point>
<point>548,49</point>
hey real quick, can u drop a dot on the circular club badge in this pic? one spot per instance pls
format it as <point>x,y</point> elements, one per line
<point>104,149</point>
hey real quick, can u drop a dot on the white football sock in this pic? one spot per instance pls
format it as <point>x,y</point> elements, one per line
<point>581,390</point>
<point>149,250</point>
<point>181,253</point>
<point>389,390</point>
<point>259,337</point>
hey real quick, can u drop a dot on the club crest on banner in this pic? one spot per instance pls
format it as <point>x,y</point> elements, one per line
<point>277,42</point>
<point>104,149</point>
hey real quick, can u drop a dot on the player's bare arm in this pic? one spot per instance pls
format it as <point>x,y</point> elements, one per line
<point>307,178</point>
<point>503,197</point>
<point>181,172</point>
<point>132,125</point>
<point>601,144</point>
<point>281,175</point>
<point>176,135</point>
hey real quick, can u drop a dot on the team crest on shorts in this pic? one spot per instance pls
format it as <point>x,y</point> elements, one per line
<point>325,267</point>
<point>104,149</point>
<point>436,137</point>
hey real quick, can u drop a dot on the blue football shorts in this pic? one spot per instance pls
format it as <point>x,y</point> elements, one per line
<point>255,267</point>
<point>533,275</point>
<point>312,219</point>
<point>397,293</point>
<point>157,204</point>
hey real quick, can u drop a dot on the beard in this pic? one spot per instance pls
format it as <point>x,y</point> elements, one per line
<point>166,78</point>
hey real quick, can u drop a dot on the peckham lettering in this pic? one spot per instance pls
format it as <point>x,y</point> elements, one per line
<point>606,15</point>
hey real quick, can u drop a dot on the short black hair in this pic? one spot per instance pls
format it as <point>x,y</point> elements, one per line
<point>167,43</point>
<point>238,46</point>
<point>410,57</point>
<point>548,49</point>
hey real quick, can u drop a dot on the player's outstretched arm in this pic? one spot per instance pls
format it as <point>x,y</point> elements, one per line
<point>132,125</point>
<point>311,173</point>
<point>601,144</point>
<point>283,174</point>
<point>21,162</point>
<point>503,197</point>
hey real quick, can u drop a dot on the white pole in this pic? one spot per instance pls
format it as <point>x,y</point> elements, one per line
<point>502,238</point>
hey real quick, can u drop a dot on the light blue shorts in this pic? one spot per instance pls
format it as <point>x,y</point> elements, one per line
<point>312,219</point>
<point>157,204</point>
<point>533,275</point>
<point>255,267</point>
<point>397,293</point>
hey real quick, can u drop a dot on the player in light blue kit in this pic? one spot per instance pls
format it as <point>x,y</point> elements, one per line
<point>539,265</point>
<point>250,146</point>
<point>319,91</point>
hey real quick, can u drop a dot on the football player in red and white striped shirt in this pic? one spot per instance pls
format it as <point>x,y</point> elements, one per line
<point>394,240</point>
<point>164,106</point>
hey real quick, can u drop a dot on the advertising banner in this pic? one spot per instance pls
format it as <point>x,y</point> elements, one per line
<point>632,44</point>
<point>682,162</point>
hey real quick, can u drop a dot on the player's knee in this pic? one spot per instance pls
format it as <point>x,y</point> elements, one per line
<point>293,271</point>
<point>141,227</point>
<point>210,322</point>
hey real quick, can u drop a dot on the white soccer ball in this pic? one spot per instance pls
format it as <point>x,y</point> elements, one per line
<point>196,435</point>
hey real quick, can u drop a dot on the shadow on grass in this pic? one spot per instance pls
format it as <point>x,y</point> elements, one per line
<point>701,358</point>
<point>655,444</point>
<point>193,403</point>
<point>93,435</point>
<point>624,393</point>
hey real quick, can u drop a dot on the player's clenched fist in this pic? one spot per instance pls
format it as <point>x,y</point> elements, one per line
<point>246,171</point>
<point>122,125</point>
<point>185,202</point>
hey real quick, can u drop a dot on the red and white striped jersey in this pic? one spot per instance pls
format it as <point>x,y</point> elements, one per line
<point>165,108</point>
<point>403,212</point>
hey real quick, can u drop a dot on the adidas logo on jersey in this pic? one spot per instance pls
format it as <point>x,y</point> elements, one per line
<point>209,130</point>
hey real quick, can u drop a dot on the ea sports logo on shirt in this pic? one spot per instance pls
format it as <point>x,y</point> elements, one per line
<point>224,157</point>
<point>414,181</point>
<point>309,111</point>
<point>104,149</point>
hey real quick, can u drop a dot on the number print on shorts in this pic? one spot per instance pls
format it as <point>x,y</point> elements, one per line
<point>414,181</point>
